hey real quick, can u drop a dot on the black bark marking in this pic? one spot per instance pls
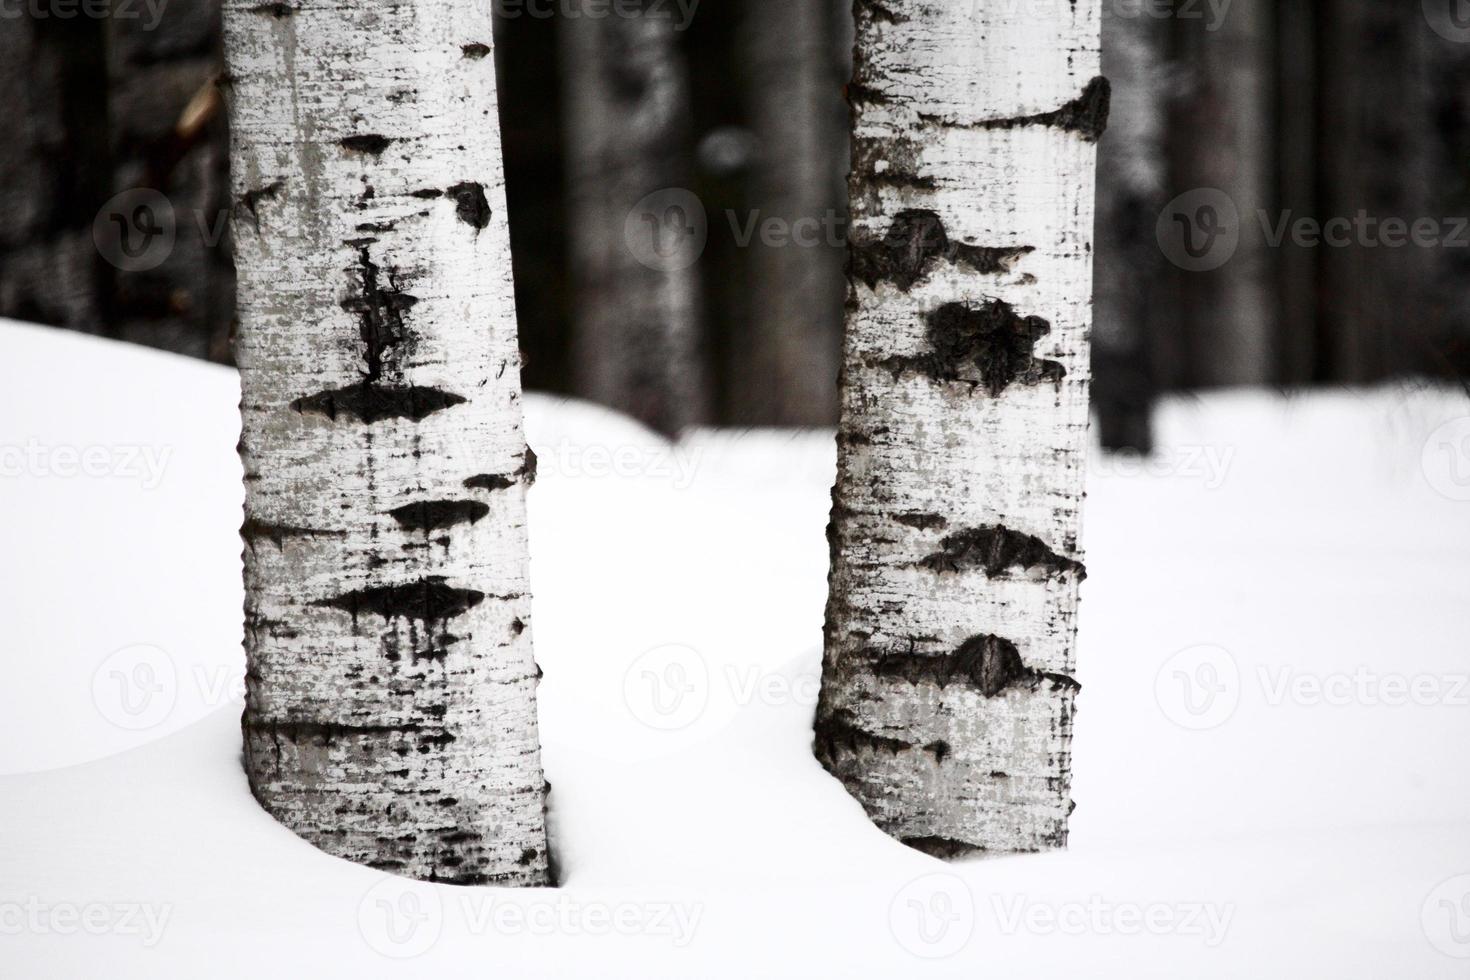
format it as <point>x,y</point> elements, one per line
<point>475,51</point>
<point>988,663</point>
<point>253,530</point>
<point>990,346</point>
<point>997,549</point>
<point>372,143</point>
<point>1086,115</point>
<point>372,403</point>
<point>490,482</point>
<point>279,11</point>
<point>838,731</point>
<point>914,243</point>
<point>924,522</point>
<point>858,92</point>
<point>429,600</point>
<point>470,204</point>
<point>427,194</point>
<point>379,313</point>
<point>331,731</point>
<point>252,198</point>
<point>432,515</point>
<point>944,848</point>
<point>879,11</point>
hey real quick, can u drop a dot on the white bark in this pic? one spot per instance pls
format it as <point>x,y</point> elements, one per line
<point>636,334</point>
<point>390,714</point>
<point>947,695</point>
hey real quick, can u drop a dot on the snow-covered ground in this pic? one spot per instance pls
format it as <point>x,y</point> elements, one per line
<point>1271,748</point>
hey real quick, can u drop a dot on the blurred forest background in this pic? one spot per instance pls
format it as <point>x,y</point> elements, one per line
<point>1291,110</point>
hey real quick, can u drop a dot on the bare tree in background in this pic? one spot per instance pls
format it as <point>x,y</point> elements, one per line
<point>1221,141</point>
<point>391,692</point>
<point>947,691</point>
<point>636,334</point>
<point>793,87</point>
<point>54,173</point>
<point>1131,186</point>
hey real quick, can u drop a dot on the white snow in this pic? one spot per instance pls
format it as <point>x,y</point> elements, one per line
<point>1307,559</point>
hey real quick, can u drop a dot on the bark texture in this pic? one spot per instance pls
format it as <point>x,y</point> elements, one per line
<point>947,695</point>
<point>794,84</point>
<point>390,714</point>
<point>636,337</point>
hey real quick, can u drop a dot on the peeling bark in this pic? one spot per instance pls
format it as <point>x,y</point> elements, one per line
<point>947,692</point>
<point>390,712</point>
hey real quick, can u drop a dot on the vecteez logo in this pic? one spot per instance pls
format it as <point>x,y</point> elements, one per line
<point>667,230</point>
<point>1199,230</point>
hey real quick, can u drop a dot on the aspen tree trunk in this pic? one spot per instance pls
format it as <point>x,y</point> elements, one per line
<point>636,337</point>
<point>796,110</point>
<point>390,713</point>
<point>947,695</point>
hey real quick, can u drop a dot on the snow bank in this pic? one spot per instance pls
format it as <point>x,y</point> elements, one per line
<point>1270,745</point>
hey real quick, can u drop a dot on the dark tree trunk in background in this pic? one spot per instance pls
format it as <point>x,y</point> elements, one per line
<point>785,365</point>
<point>168,133</point>
<point>117,106</point>
<point>636,336</point>
<point>1374,127</point>
<point>53,172</point>
<point>1447,82</point>
<point>1220,139</point>
<point>1129,289</point>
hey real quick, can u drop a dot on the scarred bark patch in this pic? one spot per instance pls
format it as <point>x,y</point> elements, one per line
<point>997,549</point>
<point>1086,115</point>
<point>374,403</point>
<point>915,242</point>
<point>253,530</point>
<point>371,143</point>
<point>470,204</point>
<point>379,310</point>
<point>990,346</point>
<point>431,515</point>
<point>838,731</point>
<point>990,664</point>
<point>428,600</point>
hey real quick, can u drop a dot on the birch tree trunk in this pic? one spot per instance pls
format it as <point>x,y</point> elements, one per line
<point>947,695</point>
<point>390,713</point>
<point>636,336</point>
